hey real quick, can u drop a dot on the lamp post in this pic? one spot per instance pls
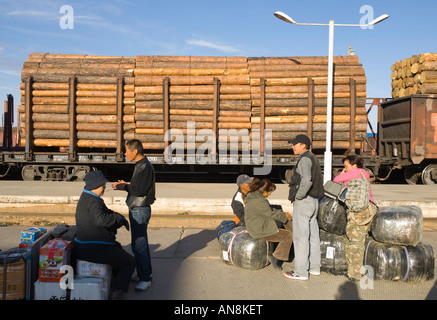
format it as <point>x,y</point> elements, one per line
<point>328,153</point>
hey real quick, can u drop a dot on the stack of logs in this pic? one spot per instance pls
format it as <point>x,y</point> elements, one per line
<point>191,89</point>
<point>286,98</point>
<point>414,75</point>
<point>191,86</point>
<point>96,95</point>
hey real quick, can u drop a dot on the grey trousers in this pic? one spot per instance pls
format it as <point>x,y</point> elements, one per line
<point>306,236</point>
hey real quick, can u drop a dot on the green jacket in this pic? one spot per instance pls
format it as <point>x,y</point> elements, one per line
<point>259,217</point>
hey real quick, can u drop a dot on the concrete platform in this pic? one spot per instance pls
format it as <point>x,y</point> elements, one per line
<point>186,266</point>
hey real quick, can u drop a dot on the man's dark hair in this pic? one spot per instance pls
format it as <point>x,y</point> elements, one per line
<point>135,144</point>
<point>354,159</point>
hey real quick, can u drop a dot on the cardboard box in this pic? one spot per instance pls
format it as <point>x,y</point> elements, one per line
<point>88,289</point>
<point>49,291</point>
<point>30,235</point>
<point>86,269</point>
<point>15,275</point>
<point>52,256</point>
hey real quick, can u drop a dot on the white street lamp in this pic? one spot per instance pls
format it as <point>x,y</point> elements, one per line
<point>328,153</point>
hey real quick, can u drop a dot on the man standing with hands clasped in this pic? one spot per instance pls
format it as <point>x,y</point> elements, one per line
<point>140,195</point>
<point>306,187</point>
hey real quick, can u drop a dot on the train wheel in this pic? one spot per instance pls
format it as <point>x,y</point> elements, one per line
<point>412,175</point>
<point>429,174</point>
<point>28,173</point>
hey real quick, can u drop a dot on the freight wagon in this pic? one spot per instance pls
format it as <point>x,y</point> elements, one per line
<point>199,114</point>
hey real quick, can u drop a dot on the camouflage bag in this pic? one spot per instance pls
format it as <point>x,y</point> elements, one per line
<point>357,194</point>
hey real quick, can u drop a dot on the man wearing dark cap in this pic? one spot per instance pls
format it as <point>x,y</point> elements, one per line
<point>306,187</point>
<point>243,183</point>
<point>96,229</point>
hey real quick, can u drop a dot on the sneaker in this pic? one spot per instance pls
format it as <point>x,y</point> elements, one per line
<point>315,273</point>
<point>292,275</point>
<point>143,285</point>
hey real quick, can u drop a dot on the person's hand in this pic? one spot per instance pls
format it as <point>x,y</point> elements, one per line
<point>288,216</point>
<point>119,185</point>
<point>125,223</point>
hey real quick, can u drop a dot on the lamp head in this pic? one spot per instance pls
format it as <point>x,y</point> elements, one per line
<point>379,19</point>
<point>284,17</point>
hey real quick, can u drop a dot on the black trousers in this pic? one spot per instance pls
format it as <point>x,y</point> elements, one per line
<point>123,264</point>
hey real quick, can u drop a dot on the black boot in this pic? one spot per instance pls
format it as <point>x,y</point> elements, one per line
<point>276,263</point>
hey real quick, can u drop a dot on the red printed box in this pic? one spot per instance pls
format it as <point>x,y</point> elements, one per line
<point>52,256</point>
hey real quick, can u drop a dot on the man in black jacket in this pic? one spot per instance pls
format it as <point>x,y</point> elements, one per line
<point>140,195</point>
<point>96,229</point>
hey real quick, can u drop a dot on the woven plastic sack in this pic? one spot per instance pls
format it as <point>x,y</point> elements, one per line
<point>332,216</point>
<point>238,248</point>
<point>401,225</point>
<point>333,254</point>
<point>399,263</point>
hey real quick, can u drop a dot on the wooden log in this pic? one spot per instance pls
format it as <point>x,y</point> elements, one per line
<point>302,81</point>
<point>304,89</point>
<point>62,108</point>
<point>317,95</point>
<point>317,135</point>
<point>196,104</point>
<point>149,131</point>
<point>173,124</point>
<point>304,119</point>
<point>303,102</point>
<point>305,74</point>
<point>343,127</point>
<point>277,111</point>
<point>284,145</point>
<point>350,69</point>
<point>184,80</point>
<point>188,72</point>
<point>302,60</point>
<point>428,88</point>
<point>428,77</point>
<point>425,57</point>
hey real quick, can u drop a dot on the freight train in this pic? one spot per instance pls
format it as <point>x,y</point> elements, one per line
<point>210,114</point>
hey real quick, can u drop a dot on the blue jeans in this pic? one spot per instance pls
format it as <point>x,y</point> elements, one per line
<point>306,236</point>
<point>139,219</point>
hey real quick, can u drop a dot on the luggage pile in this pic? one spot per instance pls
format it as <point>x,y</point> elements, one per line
<point>239,249</point>
<point>332,222</point>
<point>395,250</point>
<point>38,269</point>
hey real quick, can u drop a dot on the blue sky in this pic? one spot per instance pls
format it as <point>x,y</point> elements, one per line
<point>215,28</point>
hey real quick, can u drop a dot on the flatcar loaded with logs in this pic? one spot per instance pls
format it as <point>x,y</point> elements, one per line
<point>77,111</point>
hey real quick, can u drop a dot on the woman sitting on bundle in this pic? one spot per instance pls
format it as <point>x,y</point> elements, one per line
<point>261,221</point>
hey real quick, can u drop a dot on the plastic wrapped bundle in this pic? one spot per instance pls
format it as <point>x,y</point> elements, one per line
<point>333,255</point>
<point>238,248</point>
<point>332,216</point>
<point>401,225</point>
<point>395,262</point>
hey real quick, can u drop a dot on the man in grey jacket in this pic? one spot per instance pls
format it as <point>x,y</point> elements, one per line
<point>306,187</point>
